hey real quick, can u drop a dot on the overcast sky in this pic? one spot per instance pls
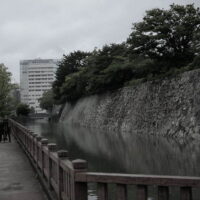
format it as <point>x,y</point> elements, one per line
<point>32,29</point>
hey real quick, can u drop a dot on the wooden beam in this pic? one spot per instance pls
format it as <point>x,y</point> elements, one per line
<point>135,179</point>
<point>102,191</point>
<point>163,193</point>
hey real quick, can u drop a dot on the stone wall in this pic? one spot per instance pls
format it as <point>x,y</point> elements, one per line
<point>169,107</point>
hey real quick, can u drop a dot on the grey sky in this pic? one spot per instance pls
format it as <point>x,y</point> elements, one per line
<point>50,28</point>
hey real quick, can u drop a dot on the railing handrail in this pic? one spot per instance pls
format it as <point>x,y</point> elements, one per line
<point>138,179</point>
<point>69,179</point>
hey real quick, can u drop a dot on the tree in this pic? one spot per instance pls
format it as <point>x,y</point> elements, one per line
<point>46,101</point>
<point>93,77</point>
<point>102,58</point>
<point>23,109</point>
<point>166,42</point>
<point>15,98</point>
<point>5,87</point>
<point>32,110</point>
<point>167,36</point>
<point>69,64</point>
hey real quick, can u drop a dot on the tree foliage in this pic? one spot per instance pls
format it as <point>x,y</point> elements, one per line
<point>167,36</point>
<point>5,88</point>
<point>164,43</point>
<point>69,64</point>
<point>46,101</point>
<point>23,109</point>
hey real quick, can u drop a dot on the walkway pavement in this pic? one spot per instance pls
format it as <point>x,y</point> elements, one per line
<point>17,178</point>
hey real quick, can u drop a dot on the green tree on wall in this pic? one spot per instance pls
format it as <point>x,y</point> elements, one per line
<point>164,43</point>
<point>46,101</point>
<point>169,36</point>
<point>70,63</point>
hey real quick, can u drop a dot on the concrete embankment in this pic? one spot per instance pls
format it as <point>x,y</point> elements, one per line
<point>169,107</point>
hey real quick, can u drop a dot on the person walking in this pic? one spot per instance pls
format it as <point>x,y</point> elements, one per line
<point>1,131</point>
<point>6,135</point>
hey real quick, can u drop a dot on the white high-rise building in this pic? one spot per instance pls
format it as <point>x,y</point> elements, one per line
<point>36,77</point>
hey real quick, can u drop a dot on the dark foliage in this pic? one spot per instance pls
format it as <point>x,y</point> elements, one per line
<point>70,64</point>
<point>165,43</point>
<point>23,109</point>
<point>168,36</point>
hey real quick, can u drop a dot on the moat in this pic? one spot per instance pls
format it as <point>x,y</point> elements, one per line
<point>123,153</point>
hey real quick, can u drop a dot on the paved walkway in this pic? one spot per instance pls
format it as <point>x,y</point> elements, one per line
<point>17,178</point>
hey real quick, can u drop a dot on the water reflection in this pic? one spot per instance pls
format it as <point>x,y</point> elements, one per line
<point>125,153</point>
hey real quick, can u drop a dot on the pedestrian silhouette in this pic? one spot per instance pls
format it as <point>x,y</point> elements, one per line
<point>6,131</point>
<point>1,131</point>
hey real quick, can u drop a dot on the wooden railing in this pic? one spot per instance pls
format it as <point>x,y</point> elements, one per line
<point>68,180</point>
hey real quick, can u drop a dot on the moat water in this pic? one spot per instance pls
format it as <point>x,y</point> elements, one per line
<point>123,152</point>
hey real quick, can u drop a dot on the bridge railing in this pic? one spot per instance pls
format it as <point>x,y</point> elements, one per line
<point>64,179</point>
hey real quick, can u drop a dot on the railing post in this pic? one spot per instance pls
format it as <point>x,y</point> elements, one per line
<point>27,144</point>
<point>44,142</point>
<point>102,191</point>
<point>24,142</point>
<point>27,141</point>
<point>142,192</point>
<point>52,147</point>
<point>186,193</point>
<point>121,192</point>
<point>30,142</point>
<point>38,139</point>
<point>62,154</point>
<point>33,145</point>
<point>80,188</point>
<point>11,127</point>
<point>35,149</point>
<point>163,193</point>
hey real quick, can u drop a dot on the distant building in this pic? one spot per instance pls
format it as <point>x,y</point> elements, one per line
<point>36,77</point>
<point>15,93</point>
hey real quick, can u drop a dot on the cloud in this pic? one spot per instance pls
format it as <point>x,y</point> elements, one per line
<point>51,28</point>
